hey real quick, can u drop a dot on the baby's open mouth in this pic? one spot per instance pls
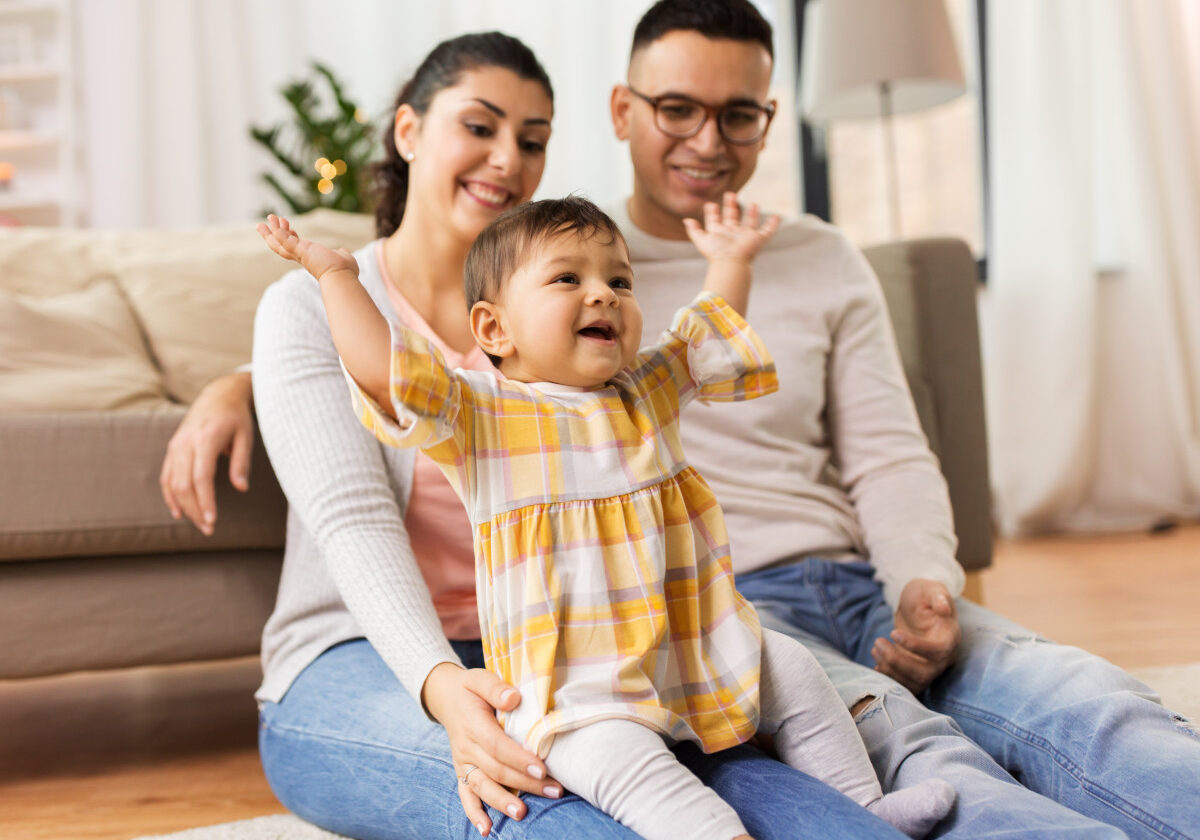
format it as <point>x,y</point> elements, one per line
<point>599,331</point>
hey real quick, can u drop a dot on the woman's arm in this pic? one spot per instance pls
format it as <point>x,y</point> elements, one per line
<point>338,483</point>
<point>337,480</point>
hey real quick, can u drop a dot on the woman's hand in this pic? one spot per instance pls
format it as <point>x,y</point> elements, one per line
<point>219,422</point>
<point>465,702</point>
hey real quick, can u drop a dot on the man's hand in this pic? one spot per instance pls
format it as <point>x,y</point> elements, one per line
<point>219,422</point>
<point>925,638</point>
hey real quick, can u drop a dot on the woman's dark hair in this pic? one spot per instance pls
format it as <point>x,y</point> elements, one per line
<point>737,20</point>
<point>441,69</point>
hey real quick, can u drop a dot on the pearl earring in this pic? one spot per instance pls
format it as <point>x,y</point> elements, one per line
<point>408,157</point>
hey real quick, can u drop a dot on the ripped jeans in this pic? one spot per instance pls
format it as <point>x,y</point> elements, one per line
<point>1039,739</point>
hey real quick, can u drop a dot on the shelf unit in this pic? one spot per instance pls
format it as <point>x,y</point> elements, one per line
<point>38,182</point>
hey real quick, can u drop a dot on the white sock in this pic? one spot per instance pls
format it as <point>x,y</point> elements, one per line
<point>916,810</point>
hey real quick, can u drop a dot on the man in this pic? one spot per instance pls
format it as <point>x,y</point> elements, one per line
<point>839,519</point>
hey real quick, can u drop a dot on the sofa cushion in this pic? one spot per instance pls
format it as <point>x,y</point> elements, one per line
<point>85,484</point>
<point>49,261</point>
<point>75,351</point>
<point>196,303</point>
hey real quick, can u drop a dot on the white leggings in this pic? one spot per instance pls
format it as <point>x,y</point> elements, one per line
<point>627,770</point>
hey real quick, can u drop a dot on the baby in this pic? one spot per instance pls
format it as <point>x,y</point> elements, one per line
<point>606,595</point>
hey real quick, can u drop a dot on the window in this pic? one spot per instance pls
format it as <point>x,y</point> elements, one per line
<point>939,153</point>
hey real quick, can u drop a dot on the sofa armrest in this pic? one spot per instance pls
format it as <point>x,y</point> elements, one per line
<point>930,286</point>
<point>86,484</point>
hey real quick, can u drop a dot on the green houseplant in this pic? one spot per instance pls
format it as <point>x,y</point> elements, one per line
<point>325,150</point>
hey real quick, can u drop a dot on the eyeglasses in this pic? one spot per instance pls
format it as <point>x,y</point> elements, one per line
<point>740,123</point>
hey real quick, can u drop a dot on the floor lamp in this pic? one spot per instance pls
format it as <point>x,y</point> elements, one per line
<point>878,58</point>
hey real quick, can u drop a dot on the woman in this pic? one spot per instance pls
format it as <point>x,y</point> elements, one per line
<point>374,703</point>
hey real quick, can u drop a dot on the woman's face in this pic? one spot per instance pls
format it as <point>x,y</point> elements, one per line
<point>479,149</point>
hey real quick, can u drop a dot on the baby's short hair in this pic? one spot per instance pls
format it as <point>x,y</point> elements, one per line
<point>504,245</point>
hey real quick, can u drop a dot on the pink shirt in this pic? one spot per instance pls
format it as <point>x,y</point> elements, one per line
<point>437,523</point>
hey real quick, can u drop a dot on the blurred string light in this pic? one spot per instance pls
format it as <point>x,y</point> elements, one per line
<point>328,171</point>
<point>334,139</point>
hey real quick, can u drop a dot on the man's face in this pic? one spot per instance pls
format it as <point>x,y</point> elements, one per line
<point>673,177</point>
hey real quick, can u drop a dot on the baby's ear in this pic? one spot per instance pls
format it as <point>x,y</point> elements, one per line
<point>487,325</point>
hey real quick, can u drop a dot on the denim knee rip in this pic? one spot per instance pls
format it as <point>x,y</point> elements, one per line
<point>1185,725</point>
<point>1018,640</point>
<point>869,710</point>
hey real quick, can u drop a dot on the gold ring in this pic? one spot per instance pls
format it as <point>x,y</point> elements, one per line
<point>470,768</point>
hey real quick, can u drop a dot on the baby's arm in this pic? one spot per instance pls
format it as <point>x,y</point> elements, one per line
<point>360,332</point>
<point>730,242</point>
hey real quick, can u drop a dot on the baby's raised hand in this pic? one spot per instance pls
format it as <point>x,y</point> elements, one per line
<point>316,259</point>
<point>728,233</point>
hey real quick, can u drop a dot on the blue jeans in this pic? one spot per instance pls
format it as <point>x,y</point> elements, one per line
<point>348,749</point>
<point>1040,739</point>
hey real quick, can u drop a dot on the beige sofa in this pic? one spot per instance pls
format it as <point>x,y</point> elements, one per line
<point>106,336</point>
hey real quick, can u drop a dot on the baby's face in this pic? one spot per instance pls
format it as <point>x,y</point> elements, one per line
<point>570,312</point>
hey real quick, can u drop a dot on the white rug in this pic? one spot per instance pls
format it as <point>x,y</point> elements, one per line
<point>279,827</point>
<point>1179,686</point>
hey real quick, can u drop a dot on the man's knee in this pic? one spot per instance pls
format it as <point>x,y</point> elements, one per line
<point>859,707</point>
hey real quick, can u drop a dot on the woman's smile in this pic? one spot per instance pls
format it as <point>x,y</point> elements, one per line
<point>489,195</point>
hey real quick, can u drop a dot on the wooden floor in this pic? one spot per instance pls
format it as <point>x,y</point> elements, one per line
<point>117,756</point>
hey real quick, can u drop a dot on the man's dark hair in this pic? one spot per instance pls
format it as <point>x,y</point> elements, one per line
<point>737,20</point>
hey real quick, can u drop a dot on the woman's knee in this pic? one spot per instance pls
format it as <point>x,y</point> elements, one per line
<point>551,819</point>
<point>359,789</point>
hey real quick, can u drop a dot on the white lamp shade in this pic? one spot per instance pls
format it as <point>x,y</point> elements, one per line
<point>852,46</point>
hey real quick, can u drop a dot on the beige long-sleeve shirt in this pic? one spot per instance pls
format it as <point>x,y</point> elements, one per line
<point>835,463</point>
<point>348,568</point>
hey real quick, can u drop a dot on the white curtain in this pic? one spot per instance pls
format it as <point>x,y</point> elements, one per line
<point>1091,317</point>
<point>168,89</point>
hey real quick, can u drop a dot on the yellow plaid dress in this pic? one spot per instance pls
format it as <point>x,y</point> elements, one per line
<point>602,562</point>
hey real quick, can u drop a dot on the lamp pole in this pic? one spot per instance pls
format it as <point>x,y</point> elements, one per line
<point>893,169</point>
